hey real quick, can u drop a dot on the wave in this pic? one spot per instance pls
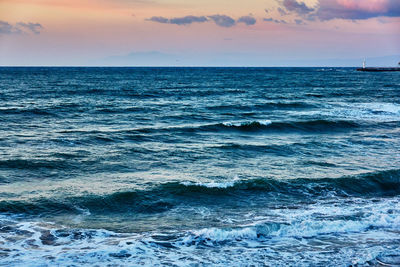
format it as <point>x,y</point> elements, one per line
<point>26,111</point>
<point>50,110</point>
<point>163,197</point>
<point>307,126</point>
<point>41,246</point>
<point>255,126</point>
<point>212,184</point>
<point>247,124</point>
<point>390,108</point>
<point>264,106</point>
<point>33,164</point>
<point>280,150</point>
<point>382,183</point>
<point>341,229</point>
<point>305,224</point>
<point>378,112</point>
<point>264,125</point>
<point>285,105</point>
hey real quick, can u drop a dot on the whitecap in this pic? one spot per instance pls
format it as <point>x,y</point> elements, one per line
<point>219,235</point>
<point>213,184</point>
<point>244,123</point>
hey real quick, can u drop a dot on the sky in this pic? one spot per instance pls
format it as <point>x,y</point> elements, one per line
<point>197,33</point>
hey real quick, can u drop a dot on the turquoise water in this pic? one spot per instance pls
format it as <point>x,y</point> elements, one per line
<point>208,166</point>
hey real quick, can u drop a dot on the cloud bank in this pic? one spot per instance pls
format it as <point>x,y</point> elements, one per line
<point>343,9</point>
<point>220,20</point>
<point>20,28</point>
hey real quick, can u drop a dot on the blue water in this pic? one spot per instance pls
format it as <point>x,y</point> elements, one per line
<point>199,166</point>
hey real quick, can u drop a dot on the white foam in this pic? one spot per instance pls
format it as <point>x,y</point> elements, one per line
<point>374,111</point>
<point>325,234</point>
<point>213,184</point>
<point>306,223</point>
<point>367,111</point>
<point>244,123</point>
<point>219,235</point>
<point>325,219</point>
<point>381,107</point>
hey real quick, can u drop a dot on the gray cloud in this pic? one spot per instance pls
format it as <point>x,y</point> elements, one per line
<point>248,20</point>
<point>188,20</point>
<point>282,11</point>
<point>179,20</point>
<point>158,19</point>
<point>20,28</point>
<point>275,20</point>
<point>220,20</point>
<point>299,22</point>
<point>6,28</point>
<point>223,20</point>
<point>33,27</point>
<point>294,6</point>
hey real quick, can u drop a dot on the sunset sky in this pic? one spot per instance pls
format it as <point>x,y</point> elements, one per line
<point>187,32</point>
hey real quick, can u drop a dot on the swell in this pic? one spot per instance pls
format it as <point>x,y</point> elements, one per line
<point>264,106</point>
<point>380,183</point>
<point>27,111</point>
<point>33,164</point>
<point>152,133</point>
<point>47,110</point>
<point>163,197</point>
<point>259,126</point>
<point>280,150</point>
<point>312,125</point>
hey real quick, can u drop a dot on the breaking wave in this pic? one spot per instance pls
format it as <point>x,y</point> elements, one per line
<point>165,196</point>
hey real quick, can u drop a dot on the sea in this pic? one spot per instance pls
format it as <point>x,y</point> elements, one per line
<point>199,167</point>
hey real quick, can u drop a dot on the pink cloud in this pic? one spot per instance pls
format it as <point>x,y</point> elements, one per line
<point>344,9</point>
<point>366,5</point>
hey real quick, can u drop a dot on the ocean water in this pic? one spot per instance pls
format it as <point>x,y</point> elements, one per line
<point>199,167</point>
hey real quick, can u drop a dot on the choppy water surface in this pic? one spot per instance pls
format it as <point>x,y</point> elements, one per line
<point>209,166</point>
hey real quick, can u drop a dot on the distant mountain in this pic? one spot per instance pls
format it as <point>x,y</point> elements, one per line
<point>151,58</point>
<point>155,58</point>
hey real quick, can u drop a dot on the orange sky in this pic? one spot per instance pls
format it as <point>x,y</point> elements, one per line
<point>86,31</point>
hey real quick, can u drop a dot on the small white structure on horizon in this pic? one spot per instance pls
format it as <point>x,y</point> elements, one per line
<point>364,63</point>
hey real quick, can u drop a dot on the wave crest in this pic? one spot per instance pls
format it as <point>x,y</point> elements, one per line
<point>165,196</point>
<point>289,126</point>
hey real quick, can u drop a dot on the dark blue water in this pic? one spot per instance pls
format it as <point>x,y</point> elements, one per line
<point>209,166</point>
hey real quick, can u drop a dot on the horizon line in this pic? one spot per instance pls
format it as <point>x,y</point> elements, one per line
<point>165,66</point>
